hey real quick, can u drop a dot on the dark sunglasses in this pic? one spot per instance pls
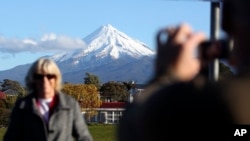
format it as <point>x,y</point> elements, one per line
<point>41,76</point>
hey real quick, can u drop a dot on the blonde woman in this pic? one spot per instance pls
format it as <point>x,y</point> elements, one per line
<point>46,114</point>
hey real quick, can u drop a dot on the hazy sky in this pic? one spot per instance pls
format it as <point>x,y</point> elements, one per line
<point>30,29</point>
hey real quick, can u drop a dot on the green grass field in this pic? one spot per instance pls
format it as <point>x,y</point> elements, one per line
<point>2,131</point>
<point>99,132</point>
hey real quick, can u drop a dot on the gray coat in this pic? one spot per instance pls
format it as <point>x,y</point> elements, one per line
<point>65,123</point>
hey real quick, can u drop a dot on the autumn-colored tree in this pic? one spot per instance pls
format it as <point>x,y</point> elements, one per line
<point>2,103</point>
<point>10,101</point>
<point>86,94</point>
<point>4,117</point>
<point>4,113</point>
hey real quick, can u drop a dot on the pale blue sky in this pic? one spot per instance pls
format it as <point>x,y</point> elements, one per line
<point>29,21</point>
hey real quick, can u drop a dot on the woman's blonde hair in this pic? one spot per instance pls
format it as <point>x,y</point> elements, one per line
<point>43,66</point>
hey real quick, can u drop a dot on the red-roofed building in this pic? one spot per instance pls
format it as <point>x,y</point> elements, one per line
<point>2,95</point>
<point>109,113</point>
<point>113,105</point>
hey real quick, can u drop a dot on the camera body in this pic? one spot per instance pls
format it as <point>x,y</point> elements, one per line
<point>220,49</point>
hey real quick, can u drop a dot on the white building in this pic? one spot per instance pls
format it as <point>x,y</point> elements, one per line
<point>109,113</point>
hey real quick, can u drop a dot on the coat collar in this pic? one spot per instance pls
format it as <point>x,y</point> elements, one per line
<point>62,101</point>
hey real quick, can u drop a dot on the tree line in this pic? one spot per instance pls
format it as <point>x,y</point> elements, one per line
<point>90,94</point>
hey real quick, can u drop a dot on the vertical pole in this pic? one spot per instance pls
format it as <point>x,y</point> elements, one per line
<point>214,35</point>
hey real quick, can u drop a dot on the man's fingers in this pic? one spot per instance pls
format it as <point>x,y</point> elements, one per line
<point>182,34</point>
<point>194,40</point>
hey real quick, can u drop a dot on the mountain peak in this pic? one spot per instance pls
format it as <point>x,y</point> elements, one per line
<point>108,41</point>
<point>108,27</point>
<point>104,30</point>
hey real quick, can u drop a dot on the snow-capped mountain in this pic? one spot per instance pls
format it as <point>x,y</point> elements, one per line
<point>109,53</point>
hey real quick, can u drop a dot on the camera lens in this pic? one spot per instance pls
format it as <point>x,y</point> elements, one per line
<point>220,49</point>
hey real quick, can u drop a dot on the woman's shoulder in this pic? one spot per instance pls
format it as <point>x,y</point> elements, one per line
<point>67,98</point>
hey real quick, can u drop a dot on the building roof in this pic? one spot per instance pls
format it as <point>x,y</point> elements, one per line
<point>2,95</point>
<point>113,105</point>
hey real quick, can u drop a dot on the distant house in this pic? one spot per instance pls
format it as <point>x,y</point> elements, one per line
<point>109,113</point>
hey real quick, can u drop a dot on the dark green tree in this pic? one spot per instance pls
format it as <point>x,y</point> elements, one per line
<point>92,79</point>
<point>114,91</point>
<point>224,71</point>
<point>129,84</point>
<point>13,85</point>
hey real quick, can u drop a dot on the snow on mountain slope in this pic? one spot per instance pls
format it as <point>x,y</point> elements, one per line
<point>107,41</point>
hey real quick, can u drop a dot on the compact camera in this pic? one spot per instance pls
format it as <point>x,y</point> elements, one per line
<point>220,49</point>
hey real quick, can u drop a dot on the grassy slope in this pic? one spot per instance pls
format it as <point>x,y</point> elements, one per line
<point>99,132</point>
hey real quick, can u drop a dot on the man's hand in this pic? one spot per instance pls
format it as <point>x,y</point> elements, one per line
<point>176,55</point>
